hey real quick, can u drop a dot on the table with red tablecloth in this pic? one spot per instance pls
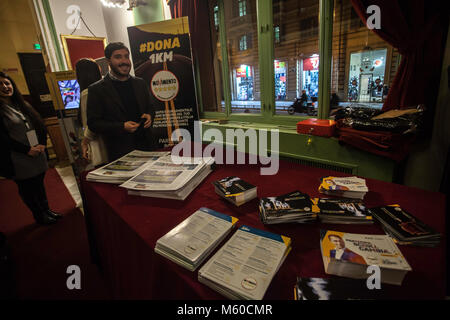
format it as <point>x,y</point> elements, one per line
<point>124,229</point>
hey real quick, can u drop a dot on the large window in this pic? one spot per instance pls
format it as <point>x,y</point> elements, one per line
<point>296,58</point>
<point>363,65</point>
<point>274,60</point>
<point>218,87</point>
<point>242,5</point>
<point>242,50</point>
<point>243,43</point>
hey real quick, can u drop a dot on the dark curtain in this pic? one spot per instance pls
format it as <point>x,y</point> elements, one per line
<point>418,29</point>
<point>197,12</point>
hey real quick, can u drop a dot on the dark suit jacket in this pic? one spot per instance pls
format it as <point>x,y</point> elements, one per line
<point>106,115</point>
<point>8,144</point>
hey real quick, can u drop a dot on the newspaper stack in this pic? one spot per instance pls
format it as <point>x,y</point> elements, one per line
<point>346,187</point>
<point>170,177</point>
<point>125,167</point>
<point>291,207</point>
<point>245,265</point>
<point>190,242</point>
<point>404,228</point>
<point>343,211</point>
<point>235,190</point>
<point>349,255</point>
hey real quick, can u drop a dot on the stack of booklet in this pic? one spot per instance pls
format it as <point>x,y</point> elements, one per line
<point>190,242</point>
<point>235,190</point>
<point>170,177</point>
<point>291,207</point>
<point>125,167</point>
<point>346,187</point>
<point>334,289</point>
<point>404,228</point>
<point>343,211</point>
<point>349,255</point>
<point>245,265</point>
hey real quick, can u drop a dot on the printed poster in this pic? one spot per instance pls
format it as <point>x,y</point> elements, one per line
<point>162,56</point>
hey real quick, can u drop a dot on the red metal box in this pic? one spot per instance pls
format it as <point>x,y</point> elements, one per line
<point>317,127</point>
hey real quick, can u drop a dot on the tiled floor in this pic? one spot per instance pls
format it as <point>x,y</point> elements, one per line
<point>68,177</point>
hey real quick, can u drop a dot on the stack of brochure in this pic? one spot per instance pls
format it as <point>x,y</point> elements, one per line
<point>347,187</point>
<point>170,177</point>
<point>349,255</point>
<point>190,242</point>
<point>245,265</point>
<point>334,289</point>
<point>125,167</point>
<point>343,211</point>
<point>404,228</point>
<point>235,190</point>
<point>291,207</point>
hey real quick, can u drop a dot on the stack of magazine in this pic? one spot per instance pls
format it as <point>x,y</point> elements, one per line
<point>170,177</point>
<point>190,242</point>
<point>245,265</point>
<point>235,190</point>
<point>346,187</point>
<point>334,289</point>
<point>291,207</point>
<point>404,228</point>
<point>125,167</point>
<point>349,255</point>
<point>343,211</point>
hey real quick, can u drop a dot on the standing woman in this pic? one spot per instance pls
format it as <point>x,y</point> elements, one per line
<point>23,138</point>
<point>92,145</point>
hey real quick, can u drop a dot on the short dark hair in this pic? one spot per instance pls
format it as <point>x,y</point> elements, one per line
<point>88,72</point>
<point>113,46</point>
<point>334,235</point>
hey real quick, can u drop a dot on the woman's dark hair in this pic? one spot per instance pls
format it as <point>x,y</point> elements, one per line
<point>24,107</point>
<point>88,72</point>
<point>113,46</point>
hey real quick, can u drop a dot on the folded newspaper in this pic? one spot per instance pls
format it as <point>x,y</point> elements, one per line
<point>190,242</point>
<point>125,167</point>
<point>245,265</point>
<point>170,177</point>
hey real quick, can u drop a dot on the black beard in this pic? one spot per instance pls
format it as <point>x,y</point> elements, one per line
<point>117,71</point>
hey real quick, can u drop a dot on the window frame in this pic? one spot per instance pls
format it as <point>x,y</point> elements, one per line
<point>242,8</point>
<point>243,43</point>
<point>265,37</point>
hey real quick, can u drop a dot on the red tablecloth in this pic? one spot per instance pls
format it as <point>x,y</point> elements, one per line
<point>125,229</point>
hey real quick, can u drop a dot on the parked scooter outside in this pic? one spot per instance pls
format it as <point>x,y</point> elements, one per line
<point>301,105</point>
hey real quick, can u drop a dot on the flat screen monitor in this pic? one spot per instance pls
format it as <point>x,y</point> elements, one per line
<point>70,93</point>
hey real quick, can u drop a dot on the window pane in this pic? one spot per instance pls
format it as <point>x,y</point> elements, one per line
<point>363,64</point>
<point>217,60</point>
<point>242,48</point>
<point>296,65</point>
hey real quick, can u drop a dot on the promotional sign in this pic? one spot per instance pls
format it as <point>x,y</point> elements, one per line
<point>162,56</point>
<point>311,63</point>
